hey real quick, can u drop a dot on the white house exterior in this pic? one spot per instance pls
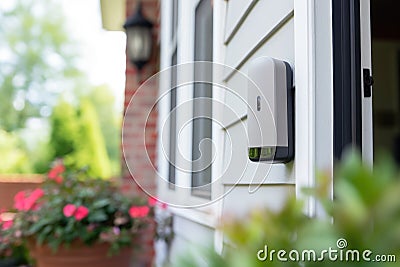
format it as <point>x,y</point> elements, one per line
<point>300,32</point>
<point>328,43</point>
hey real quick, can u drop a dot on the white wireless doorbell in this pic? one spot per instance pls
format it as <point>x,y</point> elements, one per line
<point>270,110</point>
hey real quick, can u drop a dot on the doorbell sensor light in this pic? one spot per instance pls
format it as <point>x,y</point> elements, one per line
<point>270,110</point>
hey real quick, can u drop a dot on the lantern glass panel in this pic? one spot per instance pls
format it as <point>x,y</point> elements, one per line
<point>139,43</point>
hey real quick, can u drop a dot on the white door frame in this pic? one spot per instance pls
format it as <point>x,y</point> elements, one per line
<point>313,96</point>
<point>366,63</point>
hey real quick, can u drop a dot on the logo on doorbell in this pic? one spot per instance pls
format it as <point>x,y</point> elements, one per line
<point>258,103</point>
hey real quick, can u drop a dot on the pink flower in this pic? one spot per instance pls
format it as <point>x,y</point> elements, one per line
<point>6,220</point>
<point>69,210</point>
<point>19,200</point>
<point>37,193</point>
<point>31,200</point>
<point>155,202</point>
<point>54,173</point>
<point>58,179</point>
<point>25,203</point>
<point>5,225</point>
<point>116,231</point>
<point>152,201</point>
<point>81,213</point>
<point>139,212</point>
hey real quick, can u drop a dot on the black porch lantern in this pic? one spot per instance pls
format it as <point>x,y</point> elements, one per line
<point>139,38</point>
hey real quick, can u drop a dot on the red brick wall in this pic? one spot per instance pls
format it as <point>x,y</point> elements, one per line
<point>133,127</point>
<point>133,131</point>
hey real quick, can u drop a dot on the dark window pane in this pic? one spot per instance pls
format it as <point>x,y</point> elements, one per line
<point>202,107</point>
<point>172,139</point>
<point>174,18</point>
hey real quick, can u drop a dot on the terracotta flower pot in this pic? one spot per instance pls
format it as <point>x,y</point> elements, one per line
<point>79,255</point>
<point>143,244</point>
<point>141,253</point>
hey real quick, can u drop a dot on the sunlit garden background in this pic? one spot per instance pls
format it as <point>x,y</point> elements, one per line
<point>62,81</point>
<point>62,93</point>
<point>61,87</point>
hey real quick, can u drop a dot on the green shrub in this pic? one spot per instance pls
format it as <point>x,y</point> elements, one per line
<point>64,129</point>
<point>365,214</point>
<point>13,158</point>
<point>91,149</point>
<point>76,136</point>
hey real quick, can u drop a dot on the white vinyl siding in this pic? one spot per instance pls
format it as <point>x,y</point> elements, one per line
<point>243,31</point>
<point>268,16</point>
<point>279,45</point>
<point>236,12</point>
<point>253,29</point>
<point>272,196</point>
<point>188,239</point>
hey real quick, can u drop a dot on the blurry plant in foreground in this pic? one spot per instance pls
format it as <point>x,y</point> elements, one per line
<point>364,215</point>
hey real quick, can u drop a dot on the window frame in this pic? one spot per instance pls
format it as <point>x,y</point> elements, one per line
<point>185,54</point>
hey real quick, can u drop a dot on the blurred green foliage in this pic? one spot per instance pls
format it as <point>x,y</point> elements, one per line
<point>38,68</point>
<point>38,60</point>
<point>64,130</point>
<point>103,101</point>
<point>76,136</point>
<point>13,157</point>
<point>91,150</point>
<point>365,213</point>
<point>41,156</point>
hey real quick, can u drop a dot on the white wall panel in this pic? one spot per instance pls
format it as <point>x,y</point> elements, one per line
<point>263,21</point>
<point>239,202</point>
<point>281,46</point>
<point>189,236</point>
<point>237,11</point>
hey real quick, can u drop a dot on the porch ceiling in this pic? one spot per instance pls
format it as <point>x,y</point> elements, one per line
<point>113,14</point>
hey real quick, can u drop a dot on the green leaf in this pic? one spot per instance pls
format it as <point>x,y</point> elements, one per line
<point>59,231</point>
<point>101,203</point>
<point>97,216</point>
<point>39,225</point>
<point>55,243</point>
<point>70,226</point>
<point>42,236</point>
